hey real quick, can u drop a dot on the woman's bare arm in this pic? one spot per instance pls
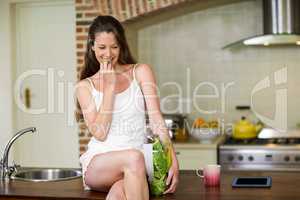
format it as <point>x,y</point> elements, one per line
<point>147,82</point>
<point>98,122</point>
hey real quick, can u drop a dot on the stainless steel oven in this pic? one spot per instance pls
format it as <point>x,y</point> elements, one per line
<point>271,153</point>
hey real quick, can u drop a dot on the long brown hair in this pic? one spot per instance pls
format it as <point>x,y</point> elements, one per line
<point>91,66</point>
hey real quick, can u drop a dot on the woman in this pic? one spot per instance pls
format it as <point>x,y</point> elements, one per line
<point>112,94</point>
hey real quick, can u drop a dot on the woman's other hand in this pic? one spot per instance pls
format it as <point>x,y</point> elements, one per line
<point>173,176</point>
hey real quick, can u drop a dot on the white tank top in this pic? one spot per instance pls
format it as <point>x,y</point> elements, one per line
<point>128,126</point>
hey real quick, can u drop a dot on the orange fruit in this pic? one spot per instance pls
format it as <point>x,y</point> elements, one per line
<point>198,122</point>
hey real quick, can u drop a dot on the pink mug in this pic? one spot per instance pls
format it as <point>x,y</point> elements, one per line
<point>211,174</point>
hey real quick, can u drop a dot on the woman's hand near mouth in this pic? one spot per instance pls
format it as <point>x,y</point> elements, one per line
<point>108,75</point>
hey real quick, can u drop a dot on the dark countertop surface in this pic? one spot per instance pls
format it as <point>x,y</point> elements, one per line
<point>285,185</point>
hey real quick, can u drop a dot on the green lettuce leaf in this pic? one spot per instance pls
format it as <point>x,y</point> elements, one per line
<point>160,167</point>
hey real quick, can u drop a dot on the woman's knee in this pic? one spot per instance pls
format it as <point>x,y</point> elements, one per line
<point>116,195</point>
<point>116,192</point>
<point>136,161</point>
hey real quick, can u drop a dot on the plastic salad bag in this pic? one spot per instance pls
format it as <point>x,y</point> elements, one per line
<point>158,161</point>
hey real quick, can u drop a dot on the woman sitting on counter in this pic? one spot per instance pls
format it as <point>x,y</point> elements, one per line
<point>112,94</point>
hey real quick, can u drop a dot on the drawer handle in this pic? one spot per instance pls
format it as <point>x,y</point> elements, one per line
<point>177,153</point>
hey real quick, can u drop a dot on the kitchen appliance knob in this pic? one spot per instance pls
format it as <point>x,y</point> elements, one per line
<point>240,158</point>
<point>287,158</point>
<point>230,157</point>
<point>297,158</point>
<point>250,158</point>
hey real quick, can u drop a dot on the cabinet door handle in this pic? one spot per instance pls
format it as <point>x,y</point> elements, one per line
<point>177,153</point>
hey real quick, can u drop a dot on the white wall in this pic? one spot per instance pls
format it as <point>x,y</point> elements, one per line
<point>195,40</point>
<point>5,76</point>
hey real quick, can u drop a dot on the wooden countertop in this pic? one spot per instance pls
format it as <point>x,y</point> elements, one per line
<point>285,186</point>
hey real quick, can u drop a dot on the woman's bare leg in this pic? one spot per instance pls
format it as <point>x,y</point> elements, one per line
<point>117,191</point>
<point>135,177</point>
<point>107,168</point>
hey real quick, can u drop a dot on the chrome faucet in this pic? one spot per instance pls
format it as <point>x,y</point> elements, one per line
<point>6,170</point>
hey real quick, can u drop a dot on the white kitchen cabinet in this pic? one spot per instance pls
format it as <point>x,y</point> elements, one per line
<point>193,155</point>
<point>195,158</point>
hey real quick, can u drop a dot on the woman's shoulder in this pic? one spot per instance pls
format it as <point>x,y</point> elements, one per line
<point>142,67</point>
<point>143,72</point>
<point>84,84</point>
<point>135,66</point>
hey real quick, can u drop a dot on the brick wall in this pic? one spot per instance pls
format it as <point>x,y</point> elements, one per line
<point>87,10</point>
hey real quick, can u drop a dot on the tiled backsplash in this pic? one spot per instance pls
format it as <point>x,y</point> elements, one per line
<point>186,51</point>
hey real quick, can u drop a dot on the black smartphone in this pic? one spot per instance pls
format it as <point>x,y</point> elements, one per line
<point>252,182</point>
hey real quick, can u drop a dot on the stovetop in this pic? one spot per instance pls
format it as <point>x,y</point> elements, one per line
<point>257,141</point>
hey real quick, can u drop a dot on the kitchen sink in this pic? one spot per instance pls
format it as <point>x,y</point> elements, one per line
<point>46,174</point>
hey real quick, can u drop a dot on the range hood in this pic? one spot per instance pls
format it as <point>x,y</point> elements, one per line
<point>281,24</point>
